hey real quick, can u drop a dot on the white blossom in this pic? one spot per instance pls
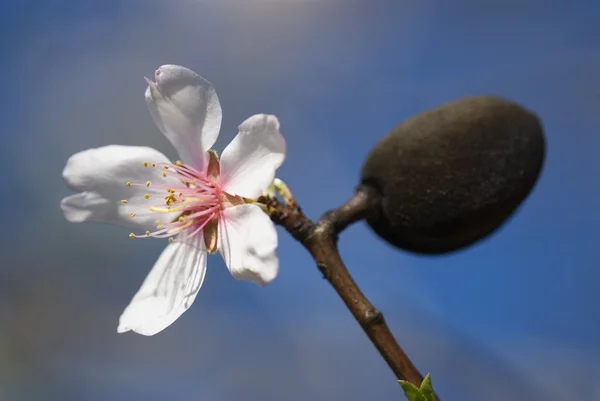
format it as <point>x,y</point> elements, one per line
<point>200,203</point>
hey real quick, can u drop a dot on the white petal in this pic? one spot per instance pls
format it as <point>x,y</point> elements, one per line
<point>168,291</point>
<point>185,107</point>
<point>87,206</point>
<point>247,242</point>
<point>249,162</point>
<point>101,173</point>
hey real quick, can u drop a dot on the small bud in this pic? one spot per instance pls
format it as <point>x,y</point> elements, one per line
<point>448,177</point>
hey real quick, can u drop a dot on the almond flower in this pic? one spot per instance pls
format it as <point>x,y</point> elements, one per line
<point>201,204</point>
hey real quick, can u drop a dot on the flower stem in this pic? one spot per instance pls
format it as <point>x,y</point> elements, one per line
<point>320,240</point>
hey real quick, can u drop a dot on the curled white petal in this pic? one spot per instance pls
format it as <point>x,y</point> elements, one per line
<point>101,174</point>
<point>87,206</point>
<point>249,162</point>
<point>247,241</point>
<point>185,107</point>
<point>168,291</point>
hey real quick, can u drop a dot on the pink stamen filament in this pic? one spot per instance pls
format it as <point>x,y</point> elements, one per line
<point>197,178</point>
<point>195,198</point>
<point>200,227</point>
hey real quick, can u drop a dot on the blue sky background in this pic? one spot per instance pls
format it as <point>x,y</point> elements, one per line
<point>513,318</point>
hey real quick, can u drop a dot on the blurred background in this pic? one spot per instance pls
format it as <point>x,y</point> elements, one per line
<point>513,318</point>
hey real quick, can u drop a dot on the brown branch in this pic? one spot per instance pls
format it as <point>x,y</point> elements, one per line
<point>320,240</point>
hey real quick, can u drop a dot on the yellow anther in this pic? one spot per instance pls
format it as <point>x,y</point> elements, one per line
<point>145,164</point>
<point>128,183</point>
<point>153,164</point>
<point>124,201</point>
<point>171,239</point>
<point>132,235</point>
<point>164,173</point>
<point>184,182</point>
<point>148,233</point>
<point>181,219</point>
<point>159,226</point>
<point>179,163</point>
<point>132,214</point>
<point>148,183</point>
<point>166,167</point>
<point>146,196</point>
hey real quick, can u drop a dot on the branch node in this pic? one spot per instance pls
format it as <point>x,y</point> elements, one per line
<point>373,317</point>
<point>322,266</point>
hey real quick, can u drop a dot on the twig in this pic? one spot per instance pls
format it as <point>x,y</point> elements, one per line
<point>320,240</point>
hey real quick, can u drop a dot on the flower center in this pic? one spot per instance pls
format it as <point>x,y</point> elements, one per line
<point>192,204</point>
